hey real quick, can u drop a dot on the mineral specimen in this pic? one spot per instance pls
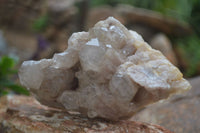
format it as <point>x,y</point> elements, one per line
<point>108,72</point>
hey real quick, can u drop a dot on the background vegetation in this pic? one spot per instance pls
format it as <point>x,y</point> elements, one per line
<point>7,76</point>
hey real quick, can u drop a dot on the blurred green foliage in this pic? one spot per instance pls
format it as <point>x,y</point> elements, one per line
<point>7,71</point>
<point>190,47</point>
<point>195,18</point>
<point>41,23</point>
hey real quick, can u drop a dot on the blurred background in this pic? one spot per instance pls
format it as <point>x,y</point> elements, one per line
<point>35,29</point>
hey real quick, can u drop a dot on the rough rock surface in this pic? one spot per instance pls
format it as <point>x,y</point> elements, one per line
<point>108,72</point>
<point>180,113</point>
<point>22,114</point>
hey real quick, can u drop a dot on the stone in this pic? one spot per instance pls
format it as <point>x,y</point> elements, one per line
<point>108,72</point>
<point>162,42</point>
<point>23,114</point>
<point>180,113</point>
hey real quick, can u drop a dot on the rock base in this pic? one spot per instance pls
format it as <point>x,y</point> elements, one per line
<point>24,114</point>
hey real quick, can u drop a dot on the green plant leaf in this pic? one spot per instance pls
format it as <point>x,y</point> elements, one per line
<point>7,70</point>
<point>18,89</point>
<point>7,84</point>
<point>3,92</point>
<point>6,64</point>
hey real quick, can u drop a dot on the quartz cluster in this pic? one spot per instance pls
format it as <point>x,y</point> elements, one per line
<point>108,72</point>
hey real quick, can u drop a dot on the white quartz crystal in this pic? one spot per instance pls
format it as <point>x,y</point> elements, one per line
<point>108,72</point>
